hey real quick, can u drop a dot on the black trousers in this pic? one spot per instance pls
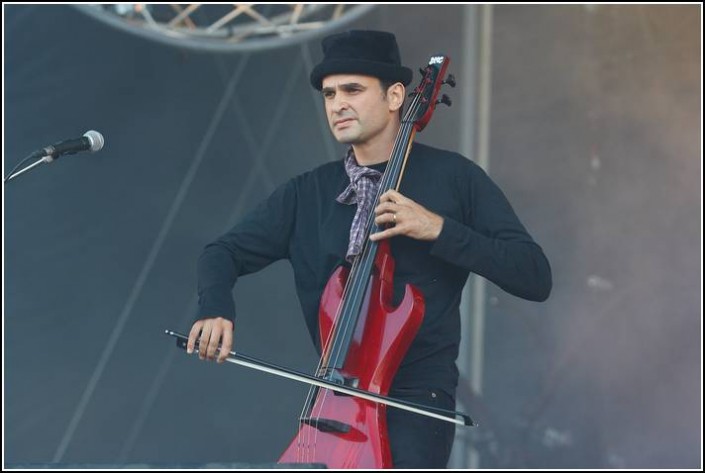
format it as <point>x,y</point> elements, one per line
<point>418,441</point>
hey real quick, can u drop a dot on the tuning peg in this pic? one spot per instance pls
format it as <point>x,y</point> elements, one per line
<point>450,80</point>
<point>444,100</point>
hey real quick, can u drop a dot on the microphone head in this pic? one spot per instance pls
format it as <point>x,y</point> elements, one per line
<point>96,139</point>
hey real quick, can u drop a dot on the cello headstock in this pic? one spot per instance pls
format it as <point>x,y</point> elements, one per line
<point>425,95</point>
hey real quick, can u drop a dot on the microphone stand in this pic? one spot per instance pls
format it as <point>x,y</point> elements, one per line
<point>45,159</point>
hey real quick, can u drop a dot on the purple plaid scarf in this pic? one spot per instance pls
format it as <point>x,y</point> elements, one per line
<point>362,190</point>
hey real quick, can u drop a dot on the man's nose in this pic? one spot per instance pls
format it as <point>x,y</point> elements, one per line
<point>339,104</point>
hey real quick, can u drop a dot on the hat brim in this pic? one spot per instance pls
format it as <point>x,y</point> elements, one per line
<point>358,66</point>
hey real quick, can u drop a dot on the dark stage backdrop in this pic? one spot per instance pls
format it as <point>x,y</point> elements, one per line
<point>594,137</point>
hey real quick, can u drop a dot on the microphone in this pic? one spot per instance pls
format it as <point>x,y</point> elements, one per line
<point>91,141</point>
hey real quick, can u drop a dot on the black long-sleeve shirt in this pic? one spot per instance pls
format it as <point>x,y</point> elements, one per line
<point>301,221</point>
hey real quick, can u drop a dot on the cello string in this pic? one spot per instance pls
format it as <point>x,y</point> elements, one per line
<point>310,401</point>
<point>361,282</point>
<point>352,275</point>
<point>357,285</point>
<point>338,320</point>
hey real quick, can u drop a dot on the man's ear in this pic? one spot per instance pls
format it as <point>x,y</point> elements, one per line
<point>395,96</point>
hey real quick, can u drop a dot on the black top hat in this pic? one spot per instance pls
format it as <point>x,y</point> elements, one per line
<point>372,53</point>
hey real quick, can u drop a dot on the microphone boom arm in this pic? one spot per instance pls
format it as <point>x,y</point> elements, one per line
<point>45,159</point>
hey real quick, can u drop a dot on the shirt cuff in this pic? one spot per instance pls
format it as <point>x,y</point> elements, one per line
<point>216,302</point>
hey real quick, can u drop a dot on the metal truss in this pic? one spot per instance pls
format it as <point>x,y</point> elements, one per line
<point>226,26</point>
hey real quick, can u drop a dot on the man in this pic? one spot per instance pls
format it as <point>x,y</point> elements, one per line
<point>447,220</point>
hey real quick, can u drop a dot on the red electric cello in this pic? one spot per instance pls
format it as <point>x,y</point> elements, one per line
<point>364,338</point>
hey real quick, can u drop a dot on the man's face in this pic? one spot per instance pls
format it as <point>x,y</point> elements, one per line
<point>356,107</point>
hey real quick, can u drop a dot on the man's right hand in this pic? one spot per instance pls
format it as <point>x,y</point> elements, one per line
<point>213,331</point>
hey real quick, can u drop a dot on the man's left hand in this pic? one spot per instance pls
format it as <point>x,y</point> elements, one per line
<point>406,217</point>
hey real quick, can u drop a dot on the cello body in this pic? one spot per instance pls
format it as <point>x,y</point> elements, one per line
<point>387,333</point>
